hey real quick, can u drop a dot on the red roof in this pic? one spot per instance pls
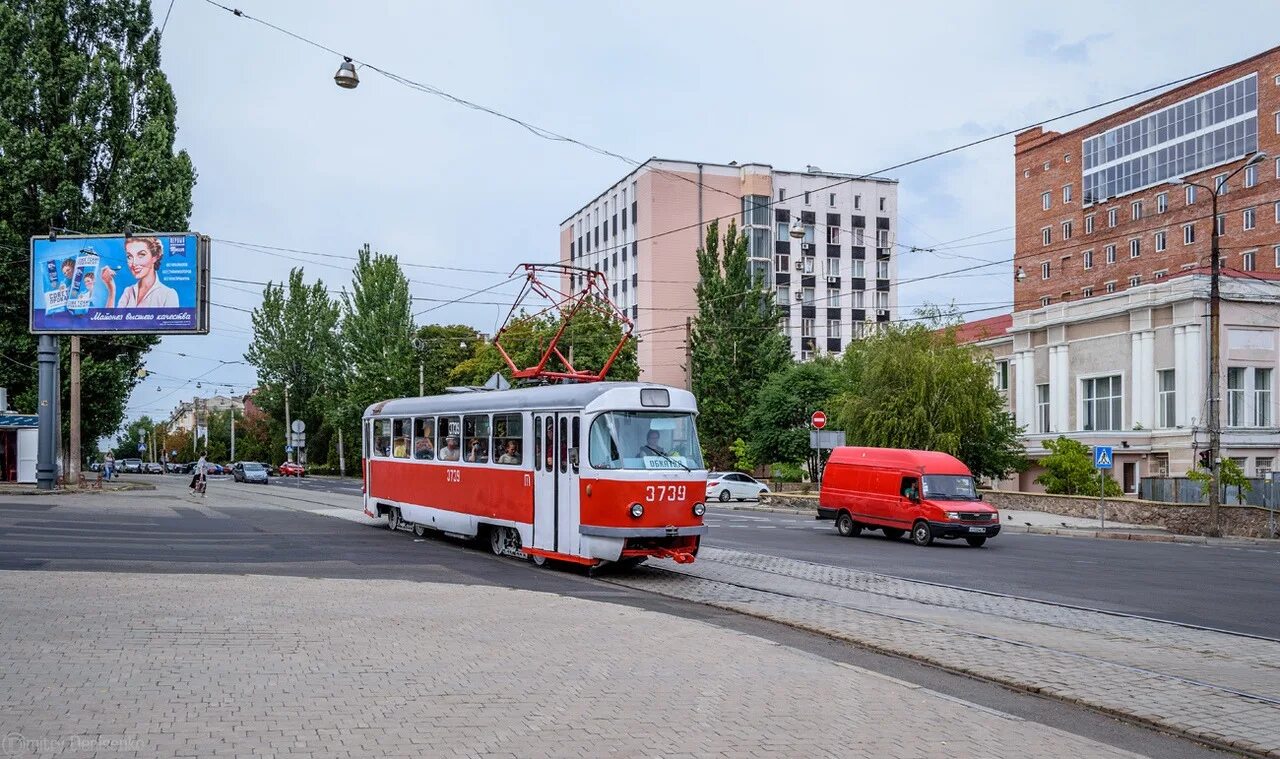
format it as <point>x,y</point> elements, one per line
<point>984,329</point>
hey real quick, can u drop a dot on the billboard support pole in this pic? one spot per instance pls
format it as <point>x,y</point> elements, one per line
<point>46,450</point>
<point>73,456</point>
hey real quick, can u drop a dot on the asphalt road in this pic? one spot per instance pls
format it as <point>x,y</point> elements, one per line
<point>1229,587</point>
<point>251,529</point>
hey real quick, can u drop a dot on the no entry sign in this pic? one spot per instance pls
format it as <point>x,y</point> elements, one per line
<point>819,419</point>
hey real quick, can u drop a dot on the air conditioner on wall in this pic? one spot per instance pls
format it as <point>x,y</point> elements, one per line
<point>806,246</point>
<point>799,296</point>
<point>833,278</point>
<point>882,312</point>
<point>799,265</point>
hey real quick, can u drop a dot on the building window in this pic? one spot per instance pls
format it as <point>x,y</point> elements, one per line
<point>1046,300</point>
<point>784,294</point>
<point>833,299</point>
<point>1086,292</point>
<point>782,262</point>
<point>806,327</point>
<point>1250,218</point>
<point>1166,399</point>
<point>1248,262</point>
<point>833,328</point>
<point>1160,241</point>
<point>808,234</point>
<point>857,202</point>
<point>806,197</point>
<point>1278,211</point>
<point>1102,403</point>
<point>1046,236</point>
<point>858,237</point>
<point>1262,466</point>
<point>881,204</point>
<point>1191,194</point>
<point>1221,222</point>
<point>782,195</point>
<point>1044,270</point>
<point>1042,409</point>
<point>808,265</point>
<point>783,231</point>
<point>858,271</point>
<point>1188,234</point>
<point>1066,194</point>
<point>1135,248</point>
<point>1220,184</point>
<point>1276,252</point>
<point>1088,224</point>
<point>1162,202</point>
<point>858,298</point>
<point>833,234</point>
<point>1002,375</point>
<point>882,269</point>
<point>1066,230</point>
<point>1262,397</point>
<point>1110,250</point>
<point>882,301</point>
<point>1160,274</point>
<point>831,200</point>
<point>1135,280</point>
<point>1250,175</point>
<point>1136,209</point>
<point>1235,396</point>
<point>1113,217</point>
<point>1110,287</point>
<point>882,238</point>
<point>1088,259</point>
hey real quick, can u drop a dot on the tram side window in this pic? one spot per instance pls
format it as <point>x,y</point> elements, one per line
<point>575,451</point>
<point>475,438</point>
<point>448,428</point>
<point>551,443</point>
<point>537,442</point>
<point>381,437</point>
<point>400,438</point>
<point>508,436</point>
<point>424,434</point>
<point>564,444</point>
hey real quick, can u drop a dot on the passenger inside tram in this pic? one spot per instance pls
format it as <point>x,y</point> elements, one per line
<point>422,449</point>
<point>510,454</point>
<point>451,450</point>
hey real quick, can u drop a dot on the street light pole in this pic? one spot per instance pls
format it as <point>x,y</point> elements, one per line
<point>288,426</point>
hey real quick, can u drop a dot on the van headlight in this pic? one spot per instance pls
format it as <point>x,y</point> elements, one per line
<point>699,509</point>
<point>637,510</point>
<point>953,516</point>
<point>995,516</point>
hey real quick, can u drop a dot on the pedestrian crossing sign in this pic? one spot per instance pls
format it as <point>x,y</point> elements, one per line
<point>1102,457</point>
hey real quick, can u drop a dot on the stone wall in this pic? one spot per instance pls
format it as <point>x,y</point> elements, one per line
<point>791,501</point>
<point>1179,518</point>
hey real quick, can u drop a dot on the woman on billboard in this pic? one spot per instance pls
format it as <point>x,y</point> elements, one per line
<point>143,256</point>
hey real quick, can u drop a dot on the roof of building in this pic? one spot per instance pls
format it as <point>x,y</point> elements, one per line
<point>19,420</point>
<point>984,329</point>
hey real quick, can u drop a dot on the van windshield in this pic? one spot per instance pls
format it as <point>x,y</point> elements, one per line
<point>949,487</point>
<point>644,440</point>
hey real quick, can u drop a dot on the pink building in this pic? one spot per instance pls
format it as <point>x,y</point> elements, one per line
<point>833,283</point>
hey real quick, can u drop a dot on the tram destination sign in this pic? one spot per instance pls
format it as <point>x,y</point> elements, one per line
<point>153,284</point>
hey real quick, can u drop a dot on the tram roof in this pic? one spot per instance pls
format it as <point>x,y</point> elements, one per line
<point>517,399</point>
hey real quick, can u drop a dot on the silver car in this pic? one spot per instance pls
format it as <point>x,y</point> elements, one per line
<point>249,471</point>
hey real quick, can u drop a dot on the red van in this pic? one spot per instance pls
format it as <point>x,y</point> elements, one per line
<point>894,490</point>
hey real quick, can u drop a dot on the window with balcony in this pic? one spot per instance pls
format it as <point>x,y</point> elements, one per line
<point>1102,404</point>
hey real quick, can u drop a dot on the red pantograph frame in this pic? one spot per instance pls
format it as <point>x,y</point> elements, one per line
<point>593,295</point>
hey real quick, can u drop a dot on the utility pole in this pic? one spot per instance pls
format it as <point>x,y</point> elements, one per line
<point>342,456</point>
<point>288,425</point>
<point>1215,380</point>
<point>47,445</point>
<point>73,465</point>
<point>421,384</point>
<point>688,353</point>
<point>233,434</point>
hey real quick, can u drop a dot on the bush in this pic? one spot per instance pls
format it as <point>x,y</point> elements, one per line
<point>786,472</point>
<point>332,470</point>
<point>1068,470</point>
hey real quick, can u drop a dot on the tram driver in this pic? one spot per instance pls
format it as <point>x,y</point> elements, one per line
<point>451,451</point>
<point>651,445</point>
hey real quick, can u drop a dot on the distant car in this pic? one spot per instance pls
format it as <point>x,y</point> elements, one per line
<point>131,465</point>
<point>212,468</point>
<point>249,471</point>
<point>95,466</point>
<point>272,471</point>
<point>153,467</point>
<point>727,486</point>
<point>290,469</point>
<point>177,467</point>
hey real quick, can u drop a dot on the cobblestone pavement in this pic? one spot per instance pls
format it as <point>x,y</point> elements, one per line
<point>203,665</point>
<point>1220,687</point>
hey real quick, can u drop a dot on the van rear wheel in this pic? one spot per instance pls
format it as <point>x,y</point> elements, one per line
<point>846,526</point>
<point>976,542</point>
<point>921,534</point>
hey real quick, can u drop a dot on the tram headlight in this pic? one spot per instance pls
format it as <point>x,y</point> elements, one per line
<point>699,509</point>
<point>637,510</point>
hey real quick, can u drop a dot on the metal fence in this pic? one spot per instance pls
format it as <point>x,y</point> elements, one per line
<point>1187,490</point>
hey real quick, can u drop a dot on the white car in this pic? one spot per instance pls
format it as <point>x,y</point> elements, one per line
<point>726,486</point>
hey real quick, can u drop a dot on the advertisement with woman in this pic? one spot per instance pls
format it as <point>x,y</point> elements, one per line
<point>137,283</point>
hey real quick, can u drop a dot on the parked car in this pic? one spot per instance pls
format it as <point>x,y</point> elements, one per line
<point>249,471</point>
<point>131,465</point>
<point>212,468</point>
<point>95,466</point>
<point>290,469</point>
<point>177,467</point>
<point>153,467</point>
<point>930,494</point>
<point>729,485</point>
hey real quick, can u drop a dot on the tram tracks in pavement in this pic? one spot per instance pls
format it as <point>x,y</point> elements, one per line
<point>1123,677</point>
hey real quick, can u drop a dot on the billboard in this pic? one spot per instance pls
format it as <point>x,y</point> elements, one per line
<point>139,284</point>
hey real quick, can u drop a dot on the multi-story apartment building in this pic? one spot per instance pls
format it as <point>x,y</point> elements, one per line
<point>833,282</point>
<point>188,414</point>
<point>1095,209</point>
<point>1128,369</point>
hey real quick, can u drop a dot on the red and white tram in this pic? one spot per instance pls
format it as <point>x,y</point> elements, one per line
<point>586,473</point>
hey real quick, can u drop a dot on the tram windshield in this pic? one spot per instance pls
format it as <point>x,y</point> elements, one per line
<point>645,440</point>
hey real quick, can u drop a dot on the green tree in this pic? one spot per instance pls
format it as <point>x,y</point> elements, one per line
<point>87,125</point>
<point>912,387</point>
<point>779,420</point>
<point>591,337</point>
<point>1232,476</point>
<point>737,343</point>
<point>295,344</point>
<point>1068,470</point>
<point>134,434</point>
<point>441,348</point>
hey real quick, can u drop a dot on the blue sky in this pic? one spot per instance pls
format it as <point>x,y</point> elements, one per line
<point>287,159</point>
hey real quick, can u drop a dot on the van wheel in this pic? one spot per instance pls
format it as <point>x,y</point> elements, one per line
<point>893,533</point>
<point>921,534</point>
<point>846,526</point>
<point>975,542</point>
<point>724,496</point>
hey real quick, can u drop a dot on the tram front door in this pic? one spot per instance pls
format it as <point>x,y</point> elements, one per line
<point>555,482</point>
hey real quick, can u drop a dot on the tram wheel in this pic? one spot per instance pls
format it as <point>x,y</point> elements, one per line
<point>538,559</point>
<point>419,530</point>
<point>393,519</point>
<point>497,540</point>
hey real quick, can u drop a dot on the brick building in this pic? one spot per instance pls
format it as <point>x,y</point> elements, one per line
<point>1095,210</point>
<point>832,284</point>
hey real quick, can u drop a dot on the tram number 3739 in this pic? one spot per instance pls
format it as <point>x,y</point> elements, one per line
<point>657,493</point>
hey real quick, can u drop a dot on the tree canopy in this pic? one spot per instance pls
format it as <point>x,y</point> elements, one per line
<point>1069,470</point>
<point>779,421</point>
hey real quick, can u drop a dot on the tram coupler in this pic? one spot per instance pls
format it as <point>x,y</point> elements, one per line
<point>679,557</point>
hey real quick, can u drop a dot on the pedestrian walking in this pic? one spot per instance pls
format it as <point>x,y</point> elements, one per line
<point>109,466</point>
<point>199,480</point>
